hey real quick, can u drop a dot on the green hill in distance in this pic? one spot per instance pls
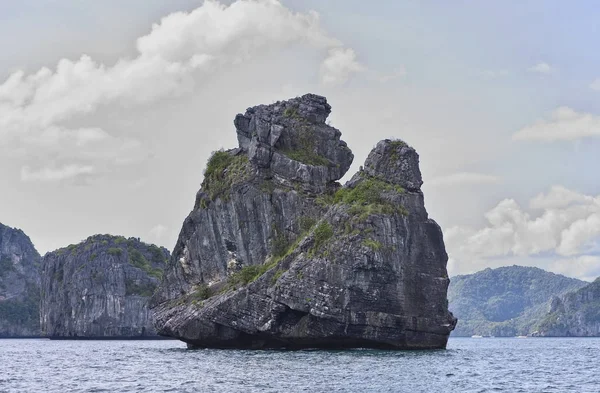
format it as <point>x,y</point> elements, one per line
<point>507,301</point>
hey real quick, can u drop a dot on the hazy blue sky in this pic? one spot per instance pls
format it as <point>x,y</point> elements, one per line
<point>106,122</point>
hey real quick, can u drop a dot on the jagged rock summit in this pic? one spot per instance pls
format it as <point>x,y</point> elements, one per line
<point>292,141</point>
<point>276,254</point>
<point>19,284</point>
<point>100,288</point>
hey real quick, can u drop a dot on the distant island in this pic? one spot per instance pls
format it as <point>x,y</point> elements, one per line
<point>19,284</point>
<point>100,288</point>
<point>96,289</point>
<point>516,300</point>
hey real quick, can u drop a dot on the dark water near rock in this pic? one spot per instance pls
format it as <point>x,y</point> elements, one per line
<point>469,365</point>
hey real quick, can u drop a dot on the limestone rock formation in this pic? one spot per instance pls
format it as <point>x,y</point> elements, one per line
<point>575,314</point>
<point>275,254</point>
<point>100,288</point>
<point>19,285</point>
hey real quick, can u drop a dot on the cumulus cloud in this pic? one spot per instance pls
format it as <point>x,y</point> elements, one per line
<point>541,68</point>
<point>464,178</point>
<point>586,267</point>
<point>180,52</point>
<point>339,65</point>
<point>561,222</point>
<point>564,124</point>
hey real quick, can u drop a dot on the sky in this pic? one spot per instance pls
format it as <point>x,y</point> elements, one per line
<point>109,111</point>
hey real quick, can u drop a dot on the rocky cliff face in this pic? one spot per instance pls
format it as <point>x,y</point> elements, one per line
<point>576,314</point>
<point>275,254</point>
<point>19,285</point>
<point>100,288</point>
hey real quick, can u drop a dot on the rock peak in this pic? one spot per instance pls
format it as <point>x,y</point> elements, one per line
<point>291,140</point>
<point>396,162</point>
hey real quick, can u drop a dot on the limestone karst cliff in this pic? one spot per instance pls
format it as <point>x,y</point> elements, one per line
<point>276,254</point>
<point>19,284</point>
<point>100,288</point>
<point>575,314</point>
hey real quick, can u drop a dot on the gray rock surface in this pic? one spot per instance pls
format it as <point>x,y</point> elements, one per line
<point>19,284</point>
<point>275,254</point>
<point>100,288</point>
<point>576,314</point>
<point>291,140</point>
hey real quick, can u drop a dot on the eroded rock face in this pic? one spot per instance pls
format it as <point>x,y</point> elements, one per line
<point>19,284</point>
<point>100,288</point>
<point>276,254</point>
<point>292,141</point>
<point>575,314</point>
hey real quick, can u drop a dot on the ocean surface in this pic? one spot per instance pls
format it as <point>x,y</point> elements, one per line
<point>468,365</point>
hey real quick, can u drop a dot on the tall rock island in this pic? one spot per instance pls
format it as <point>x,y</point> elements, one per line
<point>19,284</point>
<point>100,288</point>
<point>276,254</point>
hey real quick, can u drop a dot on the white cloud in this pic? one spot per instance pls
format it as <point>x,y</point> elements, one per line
<point>180,52</point>
<point>595,85</point>
<point>559,198</point>
<point>49,174</point>
<point>464,178</point>
<point>339,66</point>
<point>563,223</point>
<point>563,124</point>
<point>541,68</point>
<point>586,267</point>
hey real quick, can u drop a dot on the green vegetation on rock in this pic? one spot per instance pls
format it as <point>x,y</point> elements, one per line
<point>138,260</point>
<point>115,251</point>
<point>158,256</point>
<point>323,232</point>
<point>249,274</point>
<point>277,275</point>
<point>305,149</point>
<point>366,198</point>
<point>306,223</point>
<point>372,244</point>
<point>202,292</point>
<point>132,288</point>
<point>224,170</point>
<point>291,111</point>
<point>306,155</point>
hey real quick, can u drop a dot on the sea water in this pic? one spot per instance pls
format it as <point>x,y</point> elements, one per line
<point>468,365</point>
